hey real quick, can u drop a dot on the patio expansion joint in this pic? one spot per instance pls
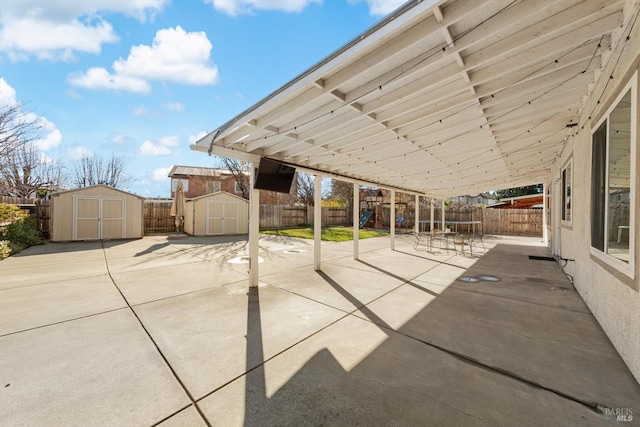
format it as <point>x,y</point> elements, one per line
<point>54,281</point>
<point>63,321</point>
<point>166,361</point>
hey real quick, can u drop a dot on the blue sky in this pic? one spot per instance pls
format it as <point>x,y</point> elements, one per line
<point>143,79</point>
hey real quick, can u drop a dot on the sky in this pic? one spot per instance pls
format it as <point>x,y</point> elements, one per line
<point>143,79</point>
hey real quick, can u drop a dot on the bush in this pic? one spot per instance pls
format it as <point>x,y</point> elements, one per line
<point>5,250</point>
<point>22,233</point>
<point>10,213</point>
<point>19,234</point>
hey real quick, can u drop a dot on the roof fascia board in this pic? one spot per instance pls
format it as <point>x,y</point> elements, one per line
<point>254,158</point>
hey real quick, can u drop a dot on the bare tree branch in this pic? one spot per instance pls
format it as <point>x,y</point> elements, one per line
<point>239,170</point>
<point>93,170</point>
<point>25,171</point>
<point>17,128</point>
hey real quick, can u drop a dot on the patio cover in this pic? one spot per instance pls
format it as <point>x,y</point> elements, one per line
<point>440,98</point>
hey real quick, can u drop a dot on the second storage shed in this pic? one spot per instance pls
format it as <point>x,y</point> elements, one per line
<point>216,214</point>
<point>98,212</point>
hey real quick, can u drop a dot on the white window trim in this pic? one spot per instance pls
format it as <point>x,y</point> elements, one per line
<point>629,269</point>
<point>569,221</point>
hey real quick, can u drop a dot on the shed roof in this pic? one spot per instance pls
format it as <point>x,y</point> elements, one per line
<point>217,193</point>
<point>95,186</point>
<point>442,97</point>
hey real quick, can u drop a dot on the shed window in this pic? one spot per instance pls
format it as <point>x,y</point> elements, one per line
<point>613,182</point>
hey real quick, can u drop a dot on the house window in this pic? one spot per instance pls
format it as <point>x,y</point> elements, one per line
<point>613,182</point>
<point>567,178</point>
<point>213,186</point>
<point>237,188</point>
<point>185,184</point>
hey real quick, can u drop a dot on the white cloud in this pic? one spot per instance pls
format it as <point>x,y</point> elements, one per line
<point>381,7</point>
<point>56,29</point>
<point>120,139</point>
<point>140,111</point>
<point>7,94</point>
<point>161,174</point>
<point>78,152</point>
<point>194,138</point>
<point>237,7</point>
<point>98,78</point>
<point>176,106</point>
<point>239,94</point>
<point>175,56</point>
<point>160,147</point>
<point>49,136</point>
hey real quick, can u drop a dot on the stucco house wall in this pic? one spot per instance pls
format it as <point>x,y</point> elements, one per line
<point>613,297</point>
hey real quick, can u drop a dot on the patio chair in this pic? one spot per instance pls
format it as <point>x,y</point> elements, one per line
<point>460,240</point>
<point>421,239</point>
<point>478,236</point>
<point>439,236</point>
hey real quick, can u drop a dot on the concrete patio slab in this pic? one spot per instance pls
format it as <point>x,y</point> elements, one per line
<point>354,373</point>
<point>419,347</point>
<point>99,370</point>
<point>145,285</point>
<point>342,287</point>
<point>39,305</point>
<point>204,334</point>
<point>188,417</point>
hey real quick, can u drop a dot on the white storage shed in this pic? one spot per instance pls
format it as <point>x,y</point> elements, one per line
<point>216,214</point>
<point>98,212</point>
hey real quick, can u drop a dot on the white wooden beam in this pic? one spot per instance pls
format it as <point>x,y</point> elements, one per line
<point>317,223</point>
<point>254,228</point>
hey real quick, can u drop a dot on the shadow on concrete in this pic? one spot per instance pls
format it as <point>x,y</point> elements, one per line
<point>475,355</point>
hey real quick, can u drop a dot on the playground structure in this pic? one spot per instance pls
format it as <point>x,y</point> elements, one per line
<point>374,212</point>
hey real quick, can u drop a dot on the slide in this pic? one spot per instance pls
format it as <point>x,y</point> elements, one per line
<point>365,217</point>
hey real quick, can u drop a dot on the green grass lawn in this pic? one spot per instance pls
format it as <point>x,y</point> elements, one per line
<point>329,234</point>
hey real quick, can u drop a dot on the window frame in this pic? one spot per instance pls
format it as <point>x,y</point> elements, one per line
<point>567,193</point>
<point>628,269</point>
<point>174,184</point>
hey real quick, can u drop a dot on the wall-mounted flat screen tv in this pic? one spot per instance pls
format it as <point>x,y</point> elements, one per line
<point>274,176</point>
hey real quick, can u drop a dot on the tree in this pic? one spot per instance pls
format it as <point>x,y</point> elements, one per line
<point>17,128</point>
<point>92,170</point>
<point>239,171</point>
<point>519,191</point>
<point>341,193</point>
<point>306,188</point>
<point>25,171</point>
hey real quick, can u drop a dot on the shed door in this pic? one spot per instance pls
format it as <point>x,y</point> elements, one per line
<point>112,219</point>
<point>230,220</point>
<point>98,218</point>
<point>87,219</point>
<point>222,218</point>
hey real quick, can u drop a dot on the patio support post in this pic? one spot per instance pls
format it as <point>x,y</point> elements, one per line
<point>392,220</point>
<point>254,227</point>
<point>416,216</point>
<point>545,236</point>
<point>442,223</point>
<point>356,221</point>
<point>433,211</point>
<point>317,222</point>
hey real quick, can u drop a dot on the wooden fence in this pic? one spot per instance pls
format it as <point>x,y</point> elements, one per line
<point>157,217</point>
<point>274,216</point>
<point>512,222</point>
